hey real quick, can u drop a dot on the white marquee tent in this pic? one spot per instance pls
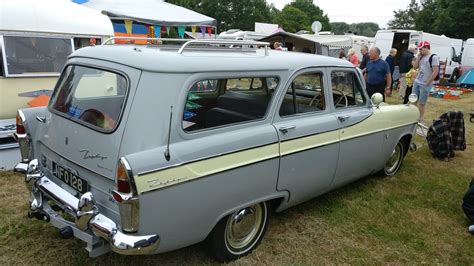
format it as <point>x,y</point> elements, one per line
<point>153,12</point>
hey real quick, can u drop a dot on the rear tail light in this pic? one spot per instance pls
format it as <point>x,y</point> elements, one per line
<point>126,196</point>
<point>125,183</point>
<point>20,120</point>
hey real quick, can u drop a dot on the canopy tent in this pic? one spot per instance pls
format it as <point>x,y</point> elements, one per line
<point>295,42</point>
<point>466,79</point>
<point>151,12</point>
<point>37,16</point>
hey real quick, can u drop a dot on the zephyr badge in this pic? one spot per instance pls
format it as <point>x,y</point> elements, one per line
<point>89,155</point>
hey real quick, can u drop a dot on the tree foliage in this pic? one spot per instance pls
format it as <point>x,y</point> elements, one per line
<point>449,17</point>
<point>313,13</point>
<point>231,14</point>
<point>295,16</point>
<point>293,19</point>
<point>365,29</point>
<point>405,19</point>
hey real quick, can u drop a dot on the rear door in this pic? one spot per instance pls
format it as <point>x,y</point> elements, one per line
<point>86,118</point>
<point>308,135</point>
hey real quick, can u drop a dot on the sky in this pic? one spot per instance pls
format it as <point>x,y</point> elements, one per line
<point>354,11</point>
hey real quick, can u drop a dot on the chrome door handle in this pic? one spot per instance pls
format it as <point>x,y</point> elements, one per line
<point>343,118</point>
<point>284,130</point>
<point>41,118</point>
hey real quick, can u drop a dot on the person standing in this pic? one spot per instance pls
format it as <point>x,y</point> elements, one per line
<point>365,57</point>
<point>277,46</point>
<point>352,57</point>
<point>342,54</point>
<point>405,66</point>
<point>391,63</point>
<point>428,67</point>
<point>410,78</point>
<point>378,75</point>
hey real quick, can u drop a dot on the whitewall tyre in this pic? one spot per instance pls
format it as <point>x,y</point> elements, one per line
<point>237,234</point>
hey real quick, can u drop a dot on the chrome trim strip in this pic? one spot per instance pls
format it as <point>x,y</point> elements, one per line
<point>200,159</point>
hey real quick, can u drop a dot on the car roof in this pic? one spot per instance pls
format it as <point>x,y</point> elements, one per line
<point>165,59</point>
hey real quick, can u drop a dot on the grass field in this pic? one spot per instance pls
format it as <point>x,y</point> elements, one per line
<point>412,218</point>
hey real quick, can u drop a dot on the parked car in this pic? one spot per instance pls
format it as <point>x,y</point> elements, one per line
<point>153,149</point>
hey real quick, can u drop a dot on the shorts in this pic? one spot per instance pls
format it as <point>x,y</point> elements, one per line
<point>422,91</point>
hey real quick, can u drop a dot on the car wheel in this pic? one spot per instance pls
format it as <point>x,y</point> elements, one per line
<point>239,233</point>
<point>395,161</point>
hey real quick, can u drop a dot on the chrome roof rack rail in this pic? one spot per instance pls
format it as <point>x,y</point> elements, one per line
<point>225,42</point>
<point>187,42</point>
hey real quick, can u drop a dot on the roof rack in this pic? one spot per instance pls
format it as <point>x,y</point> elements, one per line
<point>187,42</point>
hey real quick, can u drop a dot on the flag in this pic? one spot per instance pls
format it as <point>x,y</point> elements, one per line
<point>128,26</point>
<point>158,31</point>
<point>181,31</point>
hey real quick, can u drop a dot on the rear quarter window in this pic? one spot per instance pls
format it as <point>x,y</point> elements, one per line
<point>91,96</point>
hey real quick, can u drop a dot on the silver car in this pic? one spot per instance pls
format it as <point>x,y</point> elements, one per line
<point>154,148</point>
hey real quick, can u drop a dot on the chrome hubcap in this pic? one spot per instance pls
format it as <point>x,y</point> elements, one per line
<point>394,160</point>
<point>243,226</point>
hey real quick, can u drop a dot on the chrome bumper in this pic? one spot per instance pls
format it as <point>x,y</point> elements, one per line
<point>90,225</point>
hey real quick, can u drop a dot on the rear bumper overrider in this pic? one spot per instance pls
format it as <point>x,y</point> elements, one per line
<point>90,225</point>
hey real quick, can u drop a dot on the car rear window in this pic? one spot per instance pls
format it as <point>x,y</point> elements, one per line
<point>91,96</point>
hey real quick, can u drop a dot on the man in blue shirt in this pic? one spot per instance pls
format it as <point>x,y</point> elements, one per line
<point>378,75</point>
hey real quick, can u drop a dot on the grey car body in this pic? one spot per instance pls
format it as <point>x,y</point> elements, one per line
<point>186,179</point>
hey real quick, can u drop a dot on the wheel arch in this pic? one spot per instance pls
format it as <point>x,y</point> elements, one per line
<point>273,203</point>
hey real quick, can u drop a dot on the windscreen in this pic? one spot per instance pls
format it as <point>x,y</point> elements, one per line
<point>91,96</point>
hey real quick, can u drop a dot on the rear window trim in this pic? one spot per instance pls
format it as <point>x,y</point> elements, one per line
<point>80,122</point>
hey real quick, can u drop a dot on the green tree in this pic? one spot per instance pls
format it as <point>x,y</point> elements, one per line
<point>340,28</point>
<point>405,19</point>
<point>313,12</point>
<point>365,29</point>
<point>449,17</point>
<point>291,19</point>
<point>231,14</point>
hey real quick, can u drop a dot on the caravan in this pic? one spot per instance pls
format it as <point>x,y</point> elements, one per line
<point>33,50</point>
<point>401,39</point>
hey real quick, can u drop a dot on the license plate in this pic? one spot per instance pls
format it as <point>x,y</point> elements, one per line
<point>70,178</point>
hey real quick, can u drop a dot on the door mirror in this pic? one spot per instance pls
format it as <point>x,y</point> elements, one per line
<point>377,99</point>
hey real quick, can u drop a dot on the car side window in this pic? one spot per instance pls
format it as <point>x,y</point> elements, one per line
<point>305,94</point>
<point>239,100</point>
<point>208,85</point>
<point>346,90</point>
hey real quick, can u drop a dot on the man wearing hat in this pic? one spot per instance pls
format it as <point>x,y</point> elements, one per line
<point>428,65</point>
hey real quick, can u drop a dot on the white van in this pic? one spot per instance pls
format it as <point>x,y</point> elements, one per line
<point>467,61</point>
<point>36,37</point>
<point>401,39</point>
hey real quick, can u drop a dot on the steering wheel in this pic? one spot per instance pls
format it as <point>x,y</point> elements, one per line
<point>340,98</point>
<point>314,100</point>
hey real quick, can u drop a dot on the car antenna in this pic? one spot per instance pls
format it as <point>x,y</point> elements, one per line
<point>167,151</point>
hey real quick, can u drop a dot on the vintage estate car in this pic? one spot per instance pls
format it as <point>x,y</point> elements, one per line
<point>145,149</point>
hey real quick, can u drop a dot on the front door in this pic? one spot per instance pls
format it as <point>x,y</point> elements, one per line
<point>308,135</point>
<point>360,140</point>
